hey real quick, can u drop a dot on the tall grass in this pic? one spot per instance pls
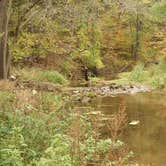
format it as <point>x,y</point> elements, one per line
<point>138,73</point>
<point>41,75</point>
<point>53,76</point>
<point>50,132</point>
<point>155,75</point>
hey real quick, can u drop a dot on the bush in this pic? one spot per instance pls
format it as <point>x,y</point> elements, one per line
<point>35,74</point>
<point>138,73</point>
<point>154,76</point>
<point>32,44</point>
<point>50,102</point>
<point>58,153</point>
<point>6,100</point>
<point>52,76</point>
<point>63,137</point>
<point>158,74</point>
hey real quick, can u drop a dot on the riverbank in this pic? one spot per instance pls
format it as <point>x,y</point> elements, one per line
<point>111,89</point>
<point>40,127</point>
<point>45,100</point>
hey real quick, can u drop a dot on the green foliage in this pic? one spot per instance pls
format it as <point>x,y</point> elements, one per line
<point>58,153</point>
<point>23,47</point>
<point>123,78</point>
<point>86,33</point>
<point>154,76</point>
<point>6,100</point>
<point>12,148</point>
<point>25,137</point>
<point>103,146</point>
<point>101,34</point>
<point>158,74</point>
<point>89,51</point>
<point>67,67</point>
<point>1,34</point>
<point>46,138</point>
<point>50,102</point>
<point>32,44</point>
<point>39,75</point>
<point>138,73</point>
<point>52,76</point>
<point>95,80</point>
<point>158,12</point>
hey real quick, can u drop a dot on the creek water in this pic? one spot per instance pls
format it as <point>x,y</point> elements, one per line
<point>147,139</point>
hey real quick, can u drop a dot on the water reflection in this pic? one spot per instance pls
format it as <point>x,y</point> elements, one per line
<point>148,139</point>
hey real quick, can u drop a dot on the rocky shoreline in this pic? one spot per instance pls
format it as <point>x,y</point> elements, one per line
<point>112,89</point>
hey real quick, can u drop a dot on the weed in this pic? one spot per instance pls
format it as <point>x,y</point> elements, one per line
<point>53,76</point>
<point>53,132</point>
<point>138,73</point>
<point>38,75</point>
<point>118,123</point>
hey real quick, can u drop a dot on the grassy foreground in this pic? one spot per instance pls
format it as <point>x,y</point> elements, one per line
<point>45,129</point>
<point>40,128</point>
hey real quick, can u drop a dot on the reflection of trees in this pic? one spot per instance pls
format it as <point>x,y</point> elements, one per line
<point>148,139</point>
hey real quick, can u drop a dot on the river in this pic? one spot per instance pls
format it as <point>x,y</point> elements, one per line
<point>148,138</point>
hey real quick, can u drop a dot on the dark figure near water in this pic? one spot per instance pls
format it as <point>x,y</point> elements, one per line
<point>89,73</point>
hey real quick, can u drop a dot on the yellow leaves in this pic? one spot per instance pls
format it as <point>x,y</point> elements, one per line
<point>146,1</point>
<point>35,44</point>
<point>86,53</point>
<point>99,64</point>
<point>1,34</point>
<point>92,60</point>
<point>71,1</point>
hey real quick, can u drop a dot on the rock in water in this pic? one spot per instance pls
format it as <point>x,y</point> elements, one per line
<point>134,122</point>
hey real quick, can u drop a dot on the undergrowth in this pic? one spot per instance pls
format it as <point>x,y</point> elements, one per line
<point>46,130</point>
<point>35,74</point>
<point>154,76</point>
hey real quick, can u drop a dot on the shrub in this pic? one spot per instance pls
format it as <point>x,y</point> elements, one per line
<point>53,76</point>
<point>50,102</point>
<point>138,73</point>
<point>58,153</point>
<point>38,75</point>
<point>158,74</point>
<point>63,137</point>
<point>6,100</point>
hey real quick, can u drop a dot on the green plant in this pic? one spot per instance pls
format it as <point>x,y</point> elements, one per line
<point>6,100</point>
<point>158,74</point>
<point>138,73</point>
<point>1,34</point>
<point>36,74</point>
<point>89,51</point>
<point>50,102</point>
<point>63,136</point>
<point>94,80</point>
<point>12,146</point>
<point>52,76</point>
<point>28,44</point>
<point>58,153</point>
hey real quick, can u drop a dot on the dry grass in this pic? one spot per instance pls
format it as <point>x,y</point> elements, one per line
<point>118,123</point>
<point>25,100</point>
<point>7,85</point>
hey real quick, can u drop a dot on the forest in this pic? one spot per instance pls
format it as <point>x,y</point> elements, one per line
<point>82,82</point>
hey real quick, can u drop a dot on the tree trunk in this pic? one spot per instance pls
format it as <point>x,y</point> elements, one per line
<point>5,6</point>
<point>137,40</point>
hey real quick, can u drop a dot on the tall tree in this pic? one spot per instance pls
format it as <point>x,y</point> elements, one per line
<point>5,6</point>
